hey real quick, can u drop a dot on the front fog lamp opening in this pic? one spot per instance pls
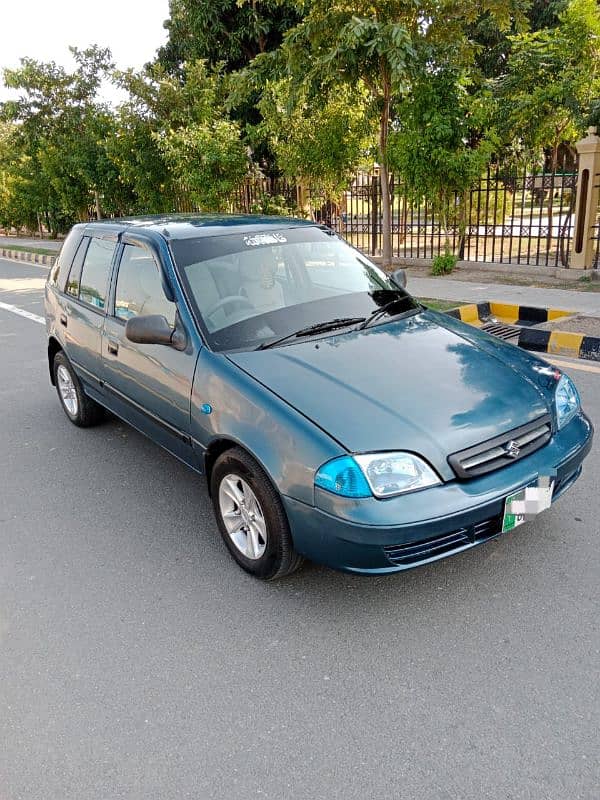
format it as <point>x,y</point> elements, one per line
<point>390,474</point>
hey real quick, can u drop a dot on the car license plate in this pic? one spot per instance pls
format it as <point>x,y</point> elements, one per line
<point>527,503</point>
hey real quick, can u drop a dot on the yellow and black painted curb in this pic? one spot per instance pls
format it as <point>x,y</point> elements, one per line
<point>509,313</point>
<point>29,256</point>
<point>576,345</point>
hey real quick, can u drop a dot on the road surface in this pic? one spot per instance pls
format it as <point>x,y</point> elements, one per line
<point>137,661</point>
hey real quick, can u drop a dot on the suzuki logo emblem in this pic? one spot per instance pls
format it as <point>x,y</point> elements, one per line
<point>512,449</point>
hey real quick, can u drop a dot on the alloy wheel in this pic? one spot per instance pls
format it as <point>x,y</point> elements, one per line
<point>243,517</point>
<point>67,390</point>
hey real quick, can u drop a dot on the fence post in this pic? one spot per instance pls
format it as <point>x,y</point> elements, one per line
<point>374,213</point>
<point>588,194</point>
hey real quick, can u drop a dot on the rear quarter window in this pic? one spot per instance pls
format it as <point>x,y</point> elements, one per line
<point>60,270</point>
<point>74,274</point>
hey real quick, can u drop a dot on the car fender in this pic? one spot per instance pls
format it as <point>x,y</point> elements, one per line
<point>228,404</point>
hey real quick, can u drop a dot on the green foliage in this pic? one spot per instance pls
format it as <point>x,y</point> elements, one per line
<point>273,205</point>
<point>552,82</point>
<point>441,144</point>
<point>208,159</point>
<point>443,264</point>
<point>57,135</point>
<point>174,137</point>
<point>437,144</point>
<point>389,47</point>
<point>137,157</point>
<point>321,144</point>
<point>493,42</point>
<point>229,32</point>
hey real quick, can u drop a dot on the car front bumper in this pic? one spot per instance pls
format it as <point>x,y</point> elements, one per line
<point>374,536</point>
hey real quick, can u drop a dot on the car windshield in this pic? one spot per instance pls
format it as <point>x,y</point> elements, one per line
<point>252,289</point>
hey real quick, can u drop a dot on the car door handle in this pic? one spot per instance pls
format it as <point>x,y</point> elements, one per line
<point>113,347</point>
<point>63,320</point>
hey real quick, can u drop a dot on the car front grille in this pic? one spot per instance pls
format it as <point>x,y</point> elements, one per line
<point>501,450</point>
<point>414,552</point>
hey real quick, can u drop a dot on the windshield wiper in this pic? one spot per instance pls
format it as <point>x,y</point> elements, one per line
<point>384,309</point>
<point>318,327</point>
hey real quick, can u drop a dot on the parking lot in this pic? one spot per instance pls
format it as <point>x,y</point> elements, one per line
<point>138,661</point>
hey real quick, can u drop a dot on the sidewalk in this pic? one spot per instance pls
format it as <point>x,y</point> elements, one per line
<point>465,291</point>
<point>17,241</point>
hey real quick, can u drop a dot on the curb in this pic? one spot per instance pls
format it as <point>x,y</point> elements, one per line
<point>511,314</point>
<point>29,257</point>
<point>575,345</point>
<point>506,269</point>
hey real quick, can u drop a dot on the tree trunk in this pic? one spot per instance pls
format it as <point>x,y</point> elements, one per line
<point>97,202</point>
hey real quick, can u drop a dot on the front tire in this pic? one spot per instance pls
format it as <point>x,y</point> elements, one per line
<point>251,517</point>
<point>79,408</point>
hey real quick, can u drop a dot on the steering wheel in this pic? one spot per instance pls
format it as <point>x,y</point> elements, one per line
<point>231,298</point>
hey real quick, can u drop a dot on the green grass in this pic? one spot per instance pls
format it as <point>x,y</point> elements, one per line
<point>440,305</point>
<point>44,251</point>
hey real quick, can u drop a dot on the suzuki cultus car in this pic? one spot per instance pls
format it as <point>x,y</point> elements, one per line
<point>334,416</point>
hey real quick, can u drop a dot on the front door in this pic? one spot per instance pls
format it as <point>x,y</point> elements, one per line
<point>149,385</point>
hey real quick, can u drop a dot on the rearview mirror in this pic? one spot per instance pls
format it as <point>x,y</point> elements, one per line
<point>149,329</point>
<point>399,278</point>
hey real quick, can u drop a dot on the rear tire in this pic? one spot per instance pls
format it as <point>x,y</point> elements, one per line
<point>251,517</point>
<point>79,408</point>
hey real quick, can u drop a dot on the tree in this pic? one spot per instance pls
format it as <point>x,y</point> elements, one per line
<point>209,160</point>
<point>59,132</point>
<point>322,143</point>
<point>384,45</point>
<point>174,137</point>
<point>442,144</point>
<point>493,42</point>
<point>551,82</point>
<point>549,92</point>
<point>224,32</point>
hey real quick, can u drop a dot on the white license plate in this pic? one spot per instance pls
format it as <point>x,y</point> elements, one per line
<point>527,503</point>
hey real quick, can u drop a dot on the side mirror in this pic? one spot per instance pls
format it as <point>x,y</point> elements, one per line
<point>149,329</point>
<point>399,278</point>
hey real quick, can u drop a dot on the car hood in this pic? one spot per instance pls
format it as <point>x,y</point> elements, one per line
<point>413,384</point>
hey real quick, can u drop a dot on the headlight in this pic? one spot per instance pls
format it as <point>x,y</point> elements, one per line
<point>567,401</point>
<point>380,474</point>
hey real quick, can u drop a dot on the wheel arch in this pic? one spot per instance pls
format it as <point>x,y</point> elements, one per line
<point>54,347</point>
<point>219,446</point>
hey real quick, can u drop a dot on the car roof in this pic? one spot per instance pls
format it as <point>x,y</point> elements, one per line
<point>191,226</point>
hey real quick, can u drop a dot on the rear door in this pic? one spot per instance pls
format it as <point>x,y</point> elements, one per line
<point>149,385</point>
<point>84,309</point>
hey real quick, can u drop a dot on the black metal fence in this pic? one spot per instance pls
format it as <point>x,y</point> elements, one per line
<point>596,238</point>
<point>510,216</point>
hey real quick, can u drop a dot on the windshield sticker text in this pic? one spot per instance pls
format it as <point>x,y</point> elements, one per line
<point>264,238</point>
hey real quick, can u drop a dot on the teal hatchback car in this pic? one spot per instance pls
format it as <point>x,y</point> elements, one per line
<point>334,416</point>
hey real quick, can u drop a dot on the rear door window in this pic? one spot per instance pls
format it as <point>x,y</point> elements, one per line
<point>96,271</point>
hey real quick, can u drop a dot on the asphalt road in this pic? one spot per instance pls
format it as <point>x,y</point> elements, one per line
<point>137,661</point>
